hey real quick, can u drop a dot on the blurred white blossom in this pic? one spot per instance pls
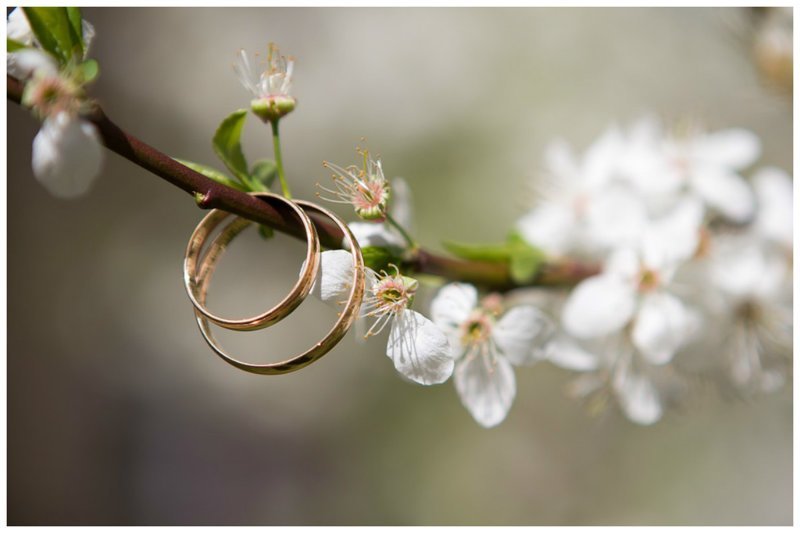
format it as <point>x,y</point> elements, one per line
<point>633,290</point>
<point>486,342</point>
<point>67,154</point>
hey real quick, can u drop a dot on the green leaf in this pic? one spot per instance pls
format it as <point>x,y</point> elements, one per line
<point>379,258</point>
<point>525,260</point>
<point>228,147</point>
<point>54,31</point>
<point>266,232</point>
<point>525,264</point>
<point>13,46</point>
<point>76,24</point>
<point>479,252</point>
<point>212,173</point>
<point>89,70</point>
<point>264,171</point>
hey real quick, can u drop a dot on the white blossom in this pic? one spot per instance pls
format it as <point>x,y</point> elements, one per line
<point>611,369</point>
<point>774,221</point>
<point>383,234</point>
<point>419,349</point>
<point>633,290</point>
<point>486,343</point>
<point>67,155</point>
<point>706,164</point>
<point>580,206</point>
<point>755,280</point>
<point>271,86</point>
<point>365,189</point>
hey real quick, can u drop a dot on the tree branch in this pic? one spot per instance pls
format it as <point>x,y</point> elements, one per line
<point>212,195</point>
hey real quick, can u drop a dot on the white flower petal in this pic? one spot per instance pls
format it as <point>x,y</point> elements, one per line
<point>567,354</point>
<point>375,234</point>
<point>551,227</point>
<point>244,71</point>
<point>615,217</point>
<point>18,27</point>
<point>486,388</point>
<point>335,277</point>
<point>402,206</point>
<point>597,306</point>
<point>743,269</point>
<point>88,36</point>
<point>30,61</point>
<point>520,334</point>
<point>67,155</point>
<point>623,264</point>
<point>725,191</point>
<point>639,399</point>
<point>662,326</point>
<point>560,161</point>
<point>452,305</point>
<point>601,159</point>
<point>419,349</point>
<point>773,189</point>
<point>732,148</point>
<point>673,238</point>
<point>773,278</point>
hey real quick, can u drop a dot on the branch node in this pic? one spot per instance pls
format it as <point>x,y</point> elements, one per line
<point>203,200</point>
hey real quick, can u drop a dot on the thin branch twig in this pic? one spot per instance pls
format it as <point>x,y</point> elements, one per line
<point>209,194</point>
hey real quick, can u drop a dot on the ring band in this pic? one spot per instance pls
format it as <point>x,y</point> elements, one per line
<point>295,297</point>
<point>323,346</point>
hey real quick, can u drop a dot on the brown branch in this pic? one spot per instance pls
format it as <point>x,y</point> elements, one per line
<point>212,195</point>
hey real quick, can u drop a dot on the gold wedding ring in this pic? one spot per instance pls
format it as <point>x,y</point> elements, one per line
<point>346,317</point>
<point>295,297</point>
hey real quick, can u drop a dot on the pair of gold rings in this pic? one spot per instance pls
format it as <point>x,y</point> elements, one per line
<point>198,268</point>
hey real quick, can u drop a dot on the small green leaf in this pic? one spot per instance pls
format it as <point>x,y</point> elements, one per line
<point>89,70</point>
<point>525,260</point>
<point>54,31</point>
<point>211,173</point>
<point>266,232</point>
<point>478,252</point>
<point>76,25</point>
<point>13,46</point>
<point>525,264</point>
<point>379,258</point>
<point>228,147</point>
<point>264,171</point>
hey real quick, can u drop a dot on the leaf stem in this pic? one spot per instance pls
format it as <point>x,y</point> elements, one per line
<point>411,244</point>
<point>276,142</point>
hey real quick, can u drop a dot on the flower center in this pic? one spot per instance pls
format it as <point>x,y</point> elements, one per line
<point>394,293</point>
<point>477,328</point>
<point>648,280</point>
<point>750,312</point>
<point>493,304</point>
<point>370,197</point>
<point>51,95</point>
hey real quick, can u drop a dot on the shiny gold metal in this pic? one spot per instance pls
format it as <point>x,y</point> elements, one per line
<point>323,346</point>
<point>295,297</point>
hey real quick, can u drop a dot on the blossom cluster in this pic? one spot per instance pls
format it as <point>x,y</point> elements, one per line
<point>691,252</point>
<point>67,153</point>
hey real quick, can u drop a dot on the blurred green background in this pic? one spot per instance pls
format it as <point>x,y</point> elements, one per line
<point>118,413</point>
